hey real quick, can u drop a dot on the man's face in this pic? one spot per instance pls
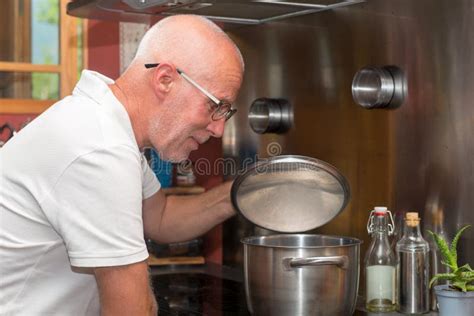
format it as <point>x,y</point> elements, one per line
<point>187,121</point>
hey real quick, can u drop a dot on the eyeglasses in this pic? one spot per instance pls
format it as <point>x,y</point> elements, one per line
<point>221,109</point>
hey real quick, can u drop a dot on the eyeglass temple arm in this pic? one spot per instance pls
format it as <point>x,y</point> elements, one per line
<point>148,66</point>
<point>191,81</point>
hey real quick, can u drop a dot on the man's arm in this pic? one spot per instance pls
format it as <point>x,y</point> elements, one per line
<point>125,290</point>
<point>178,218</point>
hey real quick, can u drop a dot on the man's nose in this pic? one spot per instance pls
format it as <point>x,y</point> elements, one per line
<point>217,128</point>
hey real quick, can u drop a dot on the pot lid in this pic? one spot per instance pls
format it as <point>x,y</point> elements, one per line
<point>290,193</point>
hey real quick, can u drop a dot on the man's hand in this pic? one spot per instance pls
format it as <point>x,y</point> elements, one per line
<point>125,290</point>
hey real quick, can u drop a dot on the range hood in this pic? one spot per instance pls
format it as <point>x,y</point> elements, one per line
<point>240,11</point>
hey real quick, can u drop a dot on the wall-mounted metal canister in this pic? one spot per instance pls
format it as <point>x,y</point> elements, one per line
<point>379,87</point>
<point>267,115</point>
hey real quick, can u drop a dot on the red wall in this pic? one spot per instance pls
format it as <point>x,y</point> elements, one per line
<point>103,48</point>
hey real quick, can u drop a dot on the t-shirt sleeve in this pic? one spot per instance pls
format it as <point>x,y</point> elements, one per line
<point>150,185</point>
<point>96,207</point>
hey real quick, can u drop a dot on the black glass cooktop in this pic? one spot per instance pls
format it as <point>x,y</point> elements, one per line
<point>198,294</point>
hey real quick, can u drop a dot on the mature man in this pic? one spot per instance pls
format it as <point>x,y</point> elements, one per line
<point>77,196</point>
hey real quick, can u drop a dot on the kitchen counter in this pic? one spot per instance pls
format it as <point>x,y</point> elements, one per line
<point>361,311</point>
<point>365,313</point>
<point>210,289</point>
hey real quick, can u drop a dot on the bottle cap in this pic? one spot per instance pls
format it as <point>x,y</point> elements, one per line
<point>380,210</point>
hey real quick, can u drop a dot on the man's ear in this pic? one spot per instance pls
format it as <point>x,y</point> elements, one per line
<point>164,76</point>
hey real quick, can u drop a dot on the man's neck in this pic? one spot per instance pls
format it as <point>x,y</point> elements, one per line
<point>132,105</point>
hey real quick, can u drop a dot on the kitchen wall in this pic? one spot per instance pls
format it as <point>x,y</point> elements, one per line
<point>418,157</point>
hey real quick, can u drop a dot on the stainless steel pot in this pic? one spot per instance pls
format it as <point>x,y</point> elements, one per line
<point>300,274</point>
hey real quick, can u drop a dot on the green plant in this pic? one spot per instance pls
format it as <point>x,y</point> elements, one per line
<point>460,278</point>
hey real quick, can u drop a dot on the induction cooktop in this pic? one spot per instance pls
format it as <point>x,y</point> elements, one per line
<point>198,294</point>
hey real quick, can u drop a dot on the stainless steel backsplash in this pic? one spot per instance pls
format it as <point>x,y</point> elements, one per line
<point>418,157</point>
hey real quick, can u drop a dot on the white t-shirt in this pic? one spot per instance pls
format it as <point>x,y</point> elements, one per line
<point>71,189</point>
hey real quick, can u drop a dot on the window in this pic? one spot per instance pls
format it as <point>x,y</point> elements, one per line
<point>41,54</point>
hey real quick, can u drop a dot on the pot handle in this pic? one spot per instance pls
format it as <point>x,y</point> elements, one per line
<point>340,261</point>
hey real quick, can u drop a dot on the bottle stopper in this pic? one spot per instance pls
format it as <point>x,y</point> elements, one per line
<point>380,210</point>
<point>412,219</point>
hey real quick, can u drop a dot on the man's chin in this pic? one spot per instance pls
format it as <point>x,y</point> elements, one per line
<point>179,153</point>
<point>179,157</point>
